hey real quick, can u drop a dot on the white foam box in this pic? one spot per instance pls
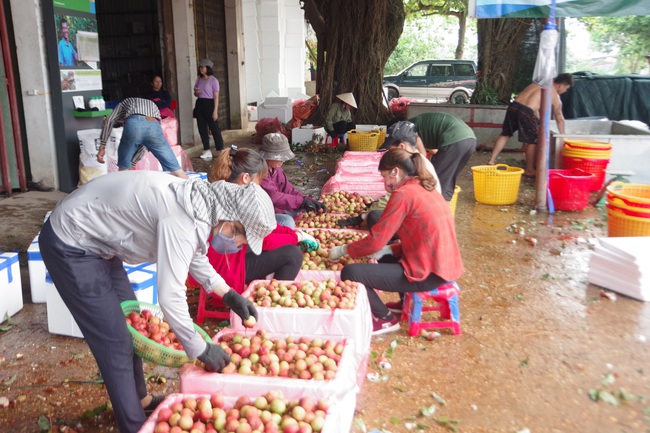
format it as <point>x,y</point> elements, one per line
<point>355,323</point>
<point>37,271</point>
<point>338,418</point>
<point>195,379</point>
<point>306,135</point>
<point>59,318</point>
<point>11,288</point>
<point>197,175</point>
<point>277,106</point>
<point>143,278</point>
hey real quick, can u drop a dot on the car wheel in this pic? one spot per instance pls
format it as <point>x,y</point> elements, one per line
<point>459,97</point>
<point>392,93</point>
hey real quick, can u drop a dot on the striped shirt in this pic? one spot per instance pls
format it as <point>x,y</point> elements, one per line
<point>124,110</point>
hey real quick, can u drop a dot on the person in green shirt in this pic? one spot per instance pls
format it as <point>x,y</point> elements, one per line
<point>453,142</point>
<point>339,116</point>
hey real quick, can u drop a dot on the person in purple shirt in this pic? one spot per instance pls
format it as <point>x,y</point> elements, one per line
<point>206,110</point>
<point>287,200</point>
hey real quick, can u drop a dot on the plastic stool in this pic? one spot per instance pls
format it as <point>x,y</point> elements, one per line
<point>334,140</point>
<point>446,302</point>
<point>203,312</point>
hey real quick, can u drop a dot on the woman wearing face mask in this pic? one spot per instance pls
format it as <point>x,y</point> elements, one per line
<point>147,216</point>
<point>427,254</point>
<point>280,255</point>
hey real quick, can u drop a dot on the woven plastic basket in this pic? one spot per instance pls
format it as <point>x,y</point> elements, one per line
<point>634,194</point>
<point>362,141</point>
<point>496,184</point>
<point>148,349</point>
<point>590,165</point>
<point>454,200</point>
<point>621,225</point>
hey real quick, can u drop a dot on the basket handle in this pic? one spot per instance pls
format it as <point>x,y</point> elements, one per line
<point>501,167</point>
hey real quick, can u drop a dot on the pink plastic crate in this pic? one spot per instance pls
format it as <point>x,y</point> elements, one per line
<point>355,323</point>
<point>339,415</point>
<point>195,379</point>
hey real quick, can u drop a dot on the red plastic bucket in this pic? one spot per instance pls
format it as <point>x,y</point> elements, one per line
<point>594,166</point>
<point>570,188</point>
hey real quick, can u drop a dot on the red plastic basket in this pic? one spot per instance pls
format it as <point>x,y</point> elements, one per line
<point>595,166</point>
<point>570,188</point>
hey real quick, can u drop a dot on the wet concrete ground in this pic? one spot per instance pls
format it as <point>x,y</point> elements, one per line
<point>536,339</point>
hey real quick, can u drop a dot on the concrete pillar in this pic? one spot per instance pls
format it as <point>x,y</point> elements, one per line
<point>252,52</point>
<point>33,66</point>
<point>236,64</point>
<point>186,67</point>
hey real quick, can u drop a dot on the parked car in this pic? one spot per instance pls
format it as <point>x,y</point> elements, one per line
<point>453,80</point>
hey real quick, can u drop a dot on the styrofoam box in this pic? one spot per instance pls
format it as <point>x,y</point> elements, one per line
<point>305,135</point>
<point>355,323</point>
<point>197,175</point>
<point>195,379</point>
<point>36,272</point>
<point>284,114</point>
<point>338,419</point>
<point>11,288</point>
<point>59,319</point>
<point>143,278</point>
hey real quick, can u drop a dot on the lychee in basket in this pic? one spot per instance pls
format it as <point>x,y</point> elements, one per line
<point>148,349</point>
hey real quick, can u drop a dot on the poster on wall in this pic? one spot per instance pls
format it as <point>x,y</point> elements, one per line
<point>78,45</point>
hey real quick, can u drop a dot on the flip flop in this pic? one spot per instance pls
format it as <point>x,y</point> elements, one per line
<point>155,402</point>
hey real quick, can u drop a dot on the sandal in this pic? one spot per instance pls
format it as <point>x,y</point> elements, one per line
<point>155,402</point>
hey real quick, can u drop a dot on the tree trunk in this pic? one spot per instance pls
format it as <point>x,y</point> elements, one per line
<point>355,39</point>
<point>462,29</point>
<point>499,42</point>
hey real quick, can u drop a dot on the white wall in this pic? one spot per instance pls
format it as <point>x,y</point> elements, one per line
<point>32,64</point>
<point>274,39</point>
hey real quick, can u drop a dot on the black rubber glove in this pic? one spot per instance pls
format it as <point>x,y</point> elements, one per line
<point>242,307</point>
<point>321,207</point>
<point>309,205</point>
<point>353,221</point>
<point>214,358</point>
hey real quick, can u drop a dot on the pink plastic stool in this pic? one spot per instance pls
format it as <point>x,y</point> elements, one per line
<point>446,302</point>
<point>203,311</point>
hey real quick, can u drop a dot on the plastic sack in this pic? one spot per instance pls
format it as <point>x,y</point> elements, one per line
<point>301,110</point>
<point>545,68</point>
<point>267,126</point>
<point>89,167</point>
<point>399,106</point>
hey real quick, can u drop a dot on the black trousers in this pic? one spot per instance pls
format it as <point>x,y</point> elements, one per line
<point>203,111</point>
<point>449,161</point>
<point>92,288</point>
<point>388,277</point>
<point>285,262</point>
<point>341,127</point>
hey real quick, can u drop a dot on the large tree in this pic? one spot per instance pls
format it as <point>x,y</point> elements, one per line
<point>355,39</point>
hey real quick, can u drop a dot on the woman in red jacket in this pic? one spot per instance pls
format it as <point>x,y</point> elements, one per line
<point>427,255</point>
<point>280,255</point>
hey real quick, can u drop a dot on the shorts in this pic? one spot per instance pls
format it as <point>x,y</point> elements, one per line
<point>520,117</point>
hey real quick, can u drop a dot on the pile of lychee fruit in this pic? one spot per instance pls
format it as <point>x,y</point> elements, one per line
<point>326,294</point>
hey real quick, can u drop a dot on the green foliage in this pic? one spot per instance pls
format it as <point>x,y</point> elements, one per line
<point>485,94</point>
<point>432,37</point>
<point>628,36</point>
<point>416,8</point>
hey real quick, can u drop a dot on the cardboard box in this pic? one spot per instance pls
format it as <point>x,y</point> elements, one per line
<point>306,135</point>
<point>37,271</point>
<point>11,288</point>
<point>275,106</point>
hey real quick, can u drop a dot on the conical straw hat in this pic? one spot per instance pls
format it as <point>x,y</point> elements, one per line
<point>348,98</point>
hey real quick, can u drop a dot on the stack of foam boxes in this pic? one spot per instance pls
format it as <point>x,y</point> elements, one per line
<point>59,318</point>
<point>11,289</point>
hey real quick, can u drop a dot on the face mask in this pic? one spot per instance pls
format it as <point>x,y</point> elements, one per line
<point>223,244</point>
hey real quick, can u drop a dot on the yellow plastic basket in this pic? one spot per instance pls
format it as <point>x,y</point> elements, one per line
<point>621,225</point>
<point>381,137</point>
<point>587,145</point>
<point>148,349</point>
<point>634,194</point>
<point>454,200</point>
<point>496,184</point>
<point>362,141</point>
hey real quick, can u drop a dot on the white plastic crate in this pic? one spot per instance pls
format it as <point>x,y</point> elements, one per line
<point>305,135</point>
<point>143,278</point>
<point>37,270</point>
<point>59,318</point>
<point>11,288</point>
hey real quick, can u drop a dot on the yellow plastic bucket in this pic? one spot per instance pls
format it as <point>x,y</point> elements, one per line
<point>454,200</point>
<point>621,225</point>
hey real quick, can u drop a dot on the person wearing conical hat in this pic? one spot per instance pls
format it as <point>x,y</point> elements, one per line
<point>339,117</point>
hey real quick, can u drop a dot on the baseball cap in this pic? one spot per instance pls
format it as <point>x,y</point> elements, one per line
<point>398,132</point>
<point>206,62</point>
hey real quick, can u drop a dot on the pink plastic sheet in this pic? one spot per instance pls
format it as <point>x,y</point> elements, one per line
<point>194,379</point>
<point>355,323</point>
<point>170,129</point>
<point>338,419</point>
<point>374,189</point>
<point>363,156</point>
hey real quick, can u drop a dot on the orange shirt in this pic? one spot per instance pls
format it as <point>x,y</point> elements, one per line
<point>423,222</point>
